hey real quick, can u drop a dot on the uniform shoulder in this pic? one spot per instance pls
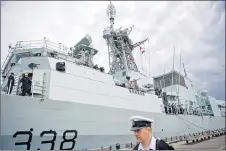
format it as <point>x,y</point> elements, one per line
<point>136,147</point>
<point>164,146</point>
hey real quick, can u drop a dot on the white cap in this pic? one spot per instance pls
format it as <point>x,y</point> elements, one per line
<point>139,122</point>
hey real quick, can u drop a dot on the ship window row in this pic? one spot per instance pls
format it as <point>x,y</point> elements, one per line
<point>166,80</point>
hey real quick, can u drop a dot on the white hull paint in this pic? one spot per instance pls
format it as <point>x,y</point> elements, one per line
<point>96,125</point>
<point>84,102</point>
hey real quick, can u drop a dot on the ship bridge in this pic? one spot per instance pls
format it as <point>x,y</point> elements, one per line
<point>177,88</point>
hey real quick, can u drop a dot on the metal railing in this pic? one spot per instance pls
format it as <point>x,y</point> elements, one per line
<point>198,137</point>
<point>9,55</point>
<point>44,43</point>
<point>194,137</point>
<point>26,45</point>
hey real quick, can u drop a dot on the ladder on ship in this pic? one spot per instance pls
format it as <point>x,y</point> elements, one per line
<point>39,84</point>
<point>6,62</point>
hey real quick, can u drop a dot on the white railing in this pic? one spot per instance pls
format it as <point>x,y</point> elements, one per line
<point>45,43</point>
<point>9,55</point>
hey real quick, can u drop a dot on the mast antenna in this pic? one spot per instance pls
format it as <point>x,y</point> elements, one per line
<point>178,91</point>
<point>184,70</point>
<point>111,13</point>
<point>173,68</point>
<point>120,45</point>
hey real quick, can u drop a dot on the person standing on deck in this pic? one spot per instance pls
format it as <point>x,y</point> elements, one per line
<point>165,107</point>
<point>26,84</point>
<point>10,83</point>
<point>172,106</point>
<point>170,110</point>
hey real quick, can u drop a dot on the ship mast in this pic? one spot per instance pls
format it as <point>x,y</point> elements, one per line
<point>178,91</point>
<point>111,12</point>
<point>120,46</point>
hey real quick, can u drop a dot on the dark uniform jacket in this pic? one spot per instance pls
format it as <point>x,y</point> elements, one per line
<point>10,80</point>
<point>160,145</point>
<point>26,83</point>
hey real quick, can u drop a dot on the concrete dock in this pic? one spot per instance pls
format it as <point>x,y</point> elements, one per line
<point>217,143</point>
<point>213,140</point>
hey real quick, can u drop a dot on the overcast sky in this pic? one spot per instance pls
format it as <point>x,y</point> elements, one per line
<point>198,28</point>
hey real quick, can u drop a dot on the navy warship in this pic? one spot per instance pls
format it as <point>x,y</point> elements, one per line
<point>74,104</point>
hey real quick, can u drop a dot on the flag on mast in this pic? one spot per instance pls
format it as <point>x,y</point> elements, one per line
<point>142,50</point>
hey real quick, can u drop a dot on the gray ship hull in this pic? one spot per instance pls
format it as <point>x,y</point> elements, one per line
<point>95,125</point>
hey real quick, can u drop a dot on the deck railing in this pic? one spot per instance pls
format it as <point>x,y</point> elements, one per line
<point>44,43</point>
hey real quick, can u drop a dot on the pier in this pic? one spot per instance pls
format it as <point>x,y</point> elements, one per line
<point>216,143</point>
<point>214,140</point>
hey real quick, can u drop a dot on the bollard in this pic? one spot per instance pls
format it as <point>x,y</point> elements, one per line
<point>127,145</point>
<point>110,148</point>
<point>180,138</point>
<point>117,146</point>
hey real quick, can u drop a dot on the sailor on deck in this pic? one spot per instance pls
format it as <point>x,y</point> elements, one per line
<point>26,85</point>
<point>143,132</point>
<point>10,83</point>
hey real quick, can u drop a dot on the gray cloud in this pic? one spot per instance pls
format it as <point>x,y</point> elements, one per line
<point>198,28</point>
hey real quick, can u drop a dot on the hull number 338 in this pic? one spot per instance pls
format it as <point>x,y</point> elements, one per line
<point>52,135</point>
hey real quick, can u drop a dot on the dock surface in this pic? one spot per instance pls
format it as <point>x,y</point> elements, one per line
<point>217,143</point>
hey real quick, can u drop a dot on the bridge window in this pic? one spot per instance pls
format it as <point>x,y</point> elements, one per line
<point>166,80</point>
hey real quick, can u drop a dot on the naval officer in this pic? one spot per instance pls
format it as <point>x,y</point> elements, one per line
<point>143,131</point>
